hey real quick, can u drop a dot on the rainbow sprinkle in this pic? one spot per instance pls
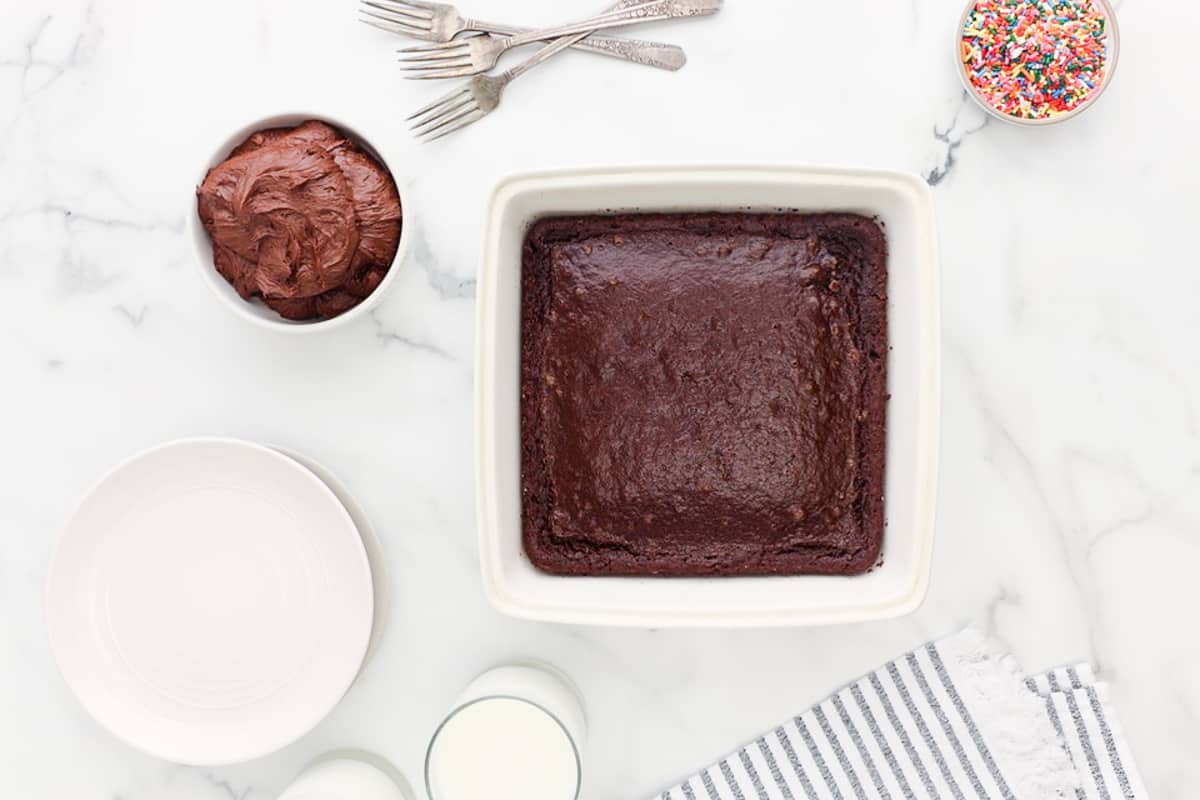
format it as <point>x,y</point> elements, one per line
<point>1035,59</point>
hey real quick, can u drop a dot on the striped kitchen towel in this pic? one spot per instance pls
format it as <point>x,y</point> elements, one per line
<point>953,720</point>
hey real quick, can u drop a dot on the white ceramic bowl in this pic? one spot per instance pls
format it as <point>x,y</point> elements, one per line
<point>1114,52</point>
<point>904,205</point>
<point>254,310</point>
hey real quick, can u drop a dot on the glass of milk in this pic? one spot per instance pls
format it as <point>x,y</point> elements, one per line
<point>516,731</point>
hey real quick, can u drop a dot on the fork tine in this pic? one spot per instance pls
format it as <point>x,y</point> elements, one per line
<point>407,22</point>
<point>420,112</point>
<point>382,26</point>
<point>431,48</point>
<point>414,8</point>
<point>448,119</point>
<point>451,103</point>
<point>430,66</point>
<point>391,26</point>
<point>456,72</point>
<point>397,15</point>
<point>424,126</point>
<point>462,123</point>
<point>457,59</point>
<point>431,63</point>
<point>454,100</point>
<point>435,58</point>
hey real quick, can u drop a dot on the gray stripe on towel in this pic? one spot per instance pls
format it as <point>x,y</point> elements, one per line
<point>944,722</point>
<point>1052,712</point>
<point>727,773</point>
<point>773,766</point>
<point>786,743</point>
<point>881,741</point>
<point>832,738</point>
<point>818,759</point>
<point>756,781</point>
<point>926,735</point>
<point>1110,742</point>
<point>956,700</point>
<point>1085,740</point>
<point>911,750</point>
<point>863,753</point>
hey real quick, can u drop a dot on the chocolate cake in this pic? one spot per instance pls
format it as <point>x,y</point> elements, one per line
<point>703,394</point>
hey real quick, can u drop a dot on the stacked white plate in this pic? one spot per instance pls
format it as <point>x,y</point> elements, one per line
<point>211,600</point>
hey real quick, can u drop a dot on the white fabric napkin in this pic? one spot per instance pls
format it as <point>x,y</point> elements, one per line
<point>953,720</point>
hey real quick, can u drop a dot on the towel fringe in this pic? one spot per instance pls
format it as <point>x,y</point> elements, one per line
<point>1028,751</point>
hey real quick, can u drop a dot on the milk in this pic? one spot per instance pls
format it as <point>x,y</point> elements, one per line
<point>515,734</point>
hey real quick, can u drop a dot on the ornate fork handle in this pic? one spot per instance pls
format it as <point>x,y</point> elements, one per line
<point>641,12</point>
<point>651,54</point>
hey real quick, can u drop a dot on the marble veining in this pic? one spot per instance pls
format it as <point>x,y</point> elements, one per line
<point>968,119</point>
<point>1069,507</point>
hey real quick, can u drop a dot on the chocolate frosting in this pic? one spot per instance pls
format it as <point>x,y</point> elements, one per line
<point>302,218</point>
<point>703,394</point>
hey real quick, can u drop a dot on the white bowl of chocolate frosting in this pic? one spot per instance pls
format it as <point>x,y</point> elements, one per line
<point>298,223</point>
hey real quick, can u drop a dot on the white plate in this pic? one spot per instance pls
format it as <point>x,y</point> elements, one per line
<point>370,539</point>
<point>210,601</point>
<point>904,204</point>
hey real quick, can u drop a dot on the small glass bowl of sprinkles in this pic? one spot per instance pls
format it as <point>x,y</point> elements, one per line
<point>1037,62</point>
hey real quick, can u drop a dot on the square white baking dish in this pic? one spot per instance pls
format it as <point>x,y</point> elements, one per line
<point>903,204</point>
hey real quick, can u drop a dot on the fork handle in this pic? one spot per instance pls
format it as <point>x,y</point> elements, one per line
<point>555,47</point>
<point>642,12</point>
<point>650,54</point>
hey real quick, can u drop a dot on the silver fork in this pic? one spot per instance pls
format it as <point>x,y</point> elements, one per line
<point>479,96</point>
<point>480,53</point>
<point>440,22</point>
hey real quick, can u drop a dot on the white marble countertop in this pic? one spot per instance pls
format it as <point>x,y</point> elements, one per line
<point>1068,519</point>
